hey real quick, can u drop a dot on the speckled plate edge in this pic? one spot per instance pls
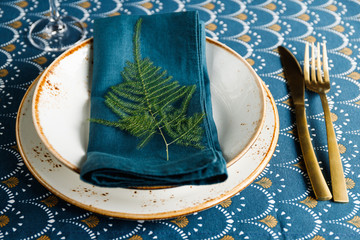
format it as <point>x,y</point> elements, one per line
<point>75,168</point>
<point>167,214</point>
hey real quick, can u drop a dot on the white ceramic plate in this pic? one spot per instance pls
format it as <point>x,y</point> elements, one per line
<point>141,203</point>
<point>61,108</point>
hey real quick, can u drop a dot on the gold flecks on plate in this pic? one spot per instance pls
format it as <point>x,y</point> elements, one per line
<point>211,26</point>
<point>342,148</point>
<point>209,6</point>
<point>250,61</point>
<point>354,75</point>
<point>9,48</point>
<point>50,201</point>
<point>227,237</point>
<point>4,220</point>
<point>358,102</point>
<point>270,6</point>
<point>310,39</point>
<point>332,8</point>
<point>241,16</point>
<point>317,237</point>
<point>245,38</point>
<point>22,4</point>
<point>310,202</point>
<point>270,221</point>
<point>147,5</point>
<point>304,17</point>
<point>11,182</point>
<point>92,221</point>
<point>114,14</point>
<point>346,51</point>
<point>40,60</point>
<point>181,221</point>
<point>85,4</point>
<point>275,27</point>
<point>264,182</point>
<point>339,28</point>
<point>355,221</point>
<point>44,237</point>
<point>350,184</point>
<point>16,24</point>
<point>226,203</point>
<point>136,237</point>
<point>3,72</point>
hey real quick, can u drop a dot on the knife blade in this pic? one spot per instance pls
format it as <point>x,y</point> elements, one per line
<point>295,81</point>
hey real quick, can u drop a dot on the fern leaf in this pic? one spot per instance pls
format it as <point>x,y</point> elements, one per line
<point>121,107</point>
<point>158,81</point>
<point>148,103</point>
<point>187,131</point>
<point>129,86</point>
<point>127,94</point>
<point>163,91</point>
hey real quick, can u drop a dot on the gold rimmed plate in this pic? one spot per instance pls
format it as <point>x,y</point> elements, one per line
<point>61,103</point>
<point>141,203</point>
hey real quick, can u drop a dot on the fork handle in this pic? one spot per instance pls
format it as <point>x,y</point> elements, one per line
<point>320,188</point>
<point>336,169</point>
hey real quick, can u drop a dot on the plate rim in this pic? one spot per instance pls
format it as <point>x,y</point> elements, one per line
<point>160,215</point>
<point>41,80</point>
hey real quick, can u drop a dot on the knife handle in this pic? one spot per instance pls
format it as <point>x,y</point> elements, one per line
<point>320,188</point>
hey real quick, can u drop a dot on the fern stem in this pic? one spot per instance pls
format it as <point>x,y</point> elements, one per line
<point>137,58</point>
<point>167,152</point>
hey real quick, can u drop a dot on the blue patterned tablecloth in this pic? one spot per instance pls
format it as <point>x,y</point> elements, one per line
<point>279,204</point>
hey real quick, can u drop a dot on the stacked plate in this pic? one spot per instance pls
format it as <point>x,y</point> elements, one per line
<point>52,134</point>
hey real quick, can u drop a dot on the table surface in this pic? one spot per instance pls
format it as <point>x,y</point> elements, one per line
<point>279,204</point>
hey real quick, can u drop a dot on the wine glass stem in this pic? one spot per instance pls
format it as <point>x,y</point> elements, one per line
<point>56,32</point>
<point>54,12</point>
<point>55,26</point>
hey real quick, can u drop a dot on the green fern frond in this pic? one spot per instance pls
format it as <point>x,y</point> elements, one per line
<point>187,131</point>
<point>148,102</point>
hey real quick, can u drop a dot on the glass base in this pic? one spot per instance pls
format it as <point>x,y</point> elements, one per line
<point>49,35</point>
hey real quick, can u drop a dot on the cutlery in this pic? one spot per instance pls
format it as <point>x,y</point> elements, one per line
<point>321,85</point>
<point>295,80</point>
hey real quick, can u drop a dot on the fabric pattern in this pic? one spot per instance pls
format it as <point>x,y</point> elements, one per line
<point>279,204</point>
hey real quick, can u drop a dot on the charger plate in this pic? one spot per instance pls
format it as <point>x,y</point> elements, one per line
<point>61,102</point>
<point>142,204</point>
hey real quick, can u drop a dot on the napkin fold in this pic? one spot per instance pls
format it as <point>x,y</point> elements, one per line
<point>164,55</point>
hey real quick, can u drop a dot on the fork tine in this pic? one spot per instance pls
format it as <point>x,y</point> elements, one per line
<point>306,64</point>
<point>325,64</point>
<point>318,63</point>
<point>313,74</point>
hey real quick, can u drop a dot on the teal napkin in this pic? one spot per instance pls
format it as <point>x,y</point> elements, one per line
<point>151,114</point>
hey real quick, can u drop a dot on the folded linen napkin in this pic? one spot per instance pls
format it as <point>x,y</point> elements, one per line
<point>151,114</point>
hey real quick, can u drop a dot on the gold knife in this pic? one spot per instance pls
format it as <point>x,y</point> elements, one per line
<point>295,80</point>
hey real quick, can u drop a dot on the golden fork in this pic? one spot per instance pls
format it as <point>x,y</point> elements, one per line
<point>321,85</point>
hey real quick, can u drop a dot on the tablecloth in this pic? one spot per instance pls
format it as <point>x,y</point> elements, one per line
<point>279,204</point>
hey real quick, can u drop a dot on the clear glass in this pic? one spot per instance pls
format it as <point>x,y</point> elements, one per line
<point>56,33</point>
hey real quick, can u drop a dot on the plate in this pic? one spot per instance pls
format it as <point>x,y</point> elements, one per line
<point>61,103</point>
<point>142,204</point>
